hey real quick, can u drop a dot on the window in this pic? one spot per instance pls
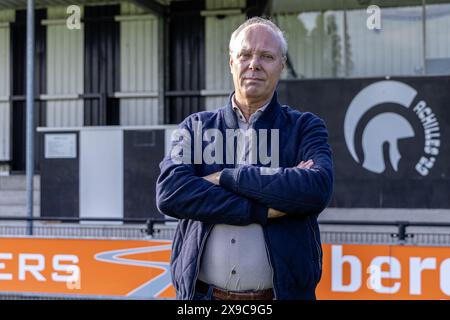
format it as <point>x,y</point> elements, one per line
<point>330,40</point>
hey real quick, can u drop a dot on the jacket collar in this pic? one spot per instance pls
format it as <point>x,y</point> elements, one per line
<point>267,117</point>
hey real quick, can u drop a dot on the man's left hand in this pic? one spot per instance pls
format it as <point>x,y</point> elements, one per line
<point>213,177</point>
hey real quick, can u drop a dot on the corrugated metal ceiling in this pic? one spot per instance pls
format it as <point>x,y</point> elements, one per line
<point>22,4</point>
<point>289,6</point>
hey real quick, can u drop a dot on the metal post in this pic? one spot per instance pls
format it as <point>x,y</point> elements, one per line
<point>424,37</point>
<point>150,227</point>
<point>402,235</point>
<point>30,113</point>
<point>346,67</point>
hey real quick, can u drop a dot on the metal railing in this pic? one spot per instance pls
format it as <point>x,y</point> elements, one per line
<point>396,232</point>
<point>109,228</point>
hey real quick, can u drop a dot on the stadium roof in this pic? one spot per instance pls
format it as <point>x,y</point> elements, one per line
<point>154,5</point>
<point>22,4</point>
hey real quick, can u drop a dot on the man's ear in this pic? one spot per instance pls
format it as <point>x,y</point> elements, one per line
<point>231,62</point>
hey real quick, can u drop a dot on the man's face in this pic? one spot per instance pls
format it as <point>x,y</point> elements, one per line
<point>256,63</point>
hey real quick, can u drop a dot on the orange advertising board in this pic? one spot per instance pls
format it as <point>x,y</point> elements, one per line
<point>385,272</point>
<point>86,267</point>
<point>140,269</point>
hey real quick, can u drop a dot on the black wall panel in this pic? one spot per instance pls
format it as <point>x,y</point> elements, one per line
<point>359,186</point>
<point>143,151</point>
<point>18,87</point>
<point>60,183</point>
<point>102,65</point>
<point>186,60</point>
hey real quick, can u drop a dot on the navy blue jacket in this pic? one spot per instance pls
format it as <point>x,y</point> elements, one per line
<point>244,196</point>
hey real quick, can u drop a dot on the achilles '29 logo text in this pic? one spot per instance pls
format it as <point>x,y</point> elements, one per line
<point>390,127</point>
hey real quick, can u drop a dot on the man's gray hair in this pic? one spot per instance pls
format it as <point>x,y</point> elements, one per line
<point>262,21</point>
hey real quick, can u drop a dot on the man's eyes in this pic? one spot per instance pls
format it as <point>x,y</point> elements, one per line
<point>248,55</point>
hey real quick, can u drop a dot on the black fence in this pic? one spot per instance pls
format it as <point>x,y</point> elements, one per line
<point>332,231</point>
<point>87,227</point>
<point>396,233</point>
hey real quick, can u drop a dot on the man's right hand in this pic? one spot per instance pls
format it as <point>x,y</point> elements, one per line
<point>273,213</point>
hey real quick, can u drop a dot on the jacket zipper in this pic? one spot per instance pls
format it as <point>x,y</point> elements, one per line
<point>316,244</point>
<point>204,240</point>
<point>197,270</point>
<point>270,263</point>
<point>269,256</point>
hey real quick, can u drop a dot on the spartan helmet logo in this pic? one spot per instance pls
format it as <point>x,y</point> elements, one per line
<point>386,127</point>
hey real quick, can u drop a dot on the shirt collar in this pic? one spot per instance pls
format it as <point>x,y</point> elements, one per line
<point>253,117</point>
